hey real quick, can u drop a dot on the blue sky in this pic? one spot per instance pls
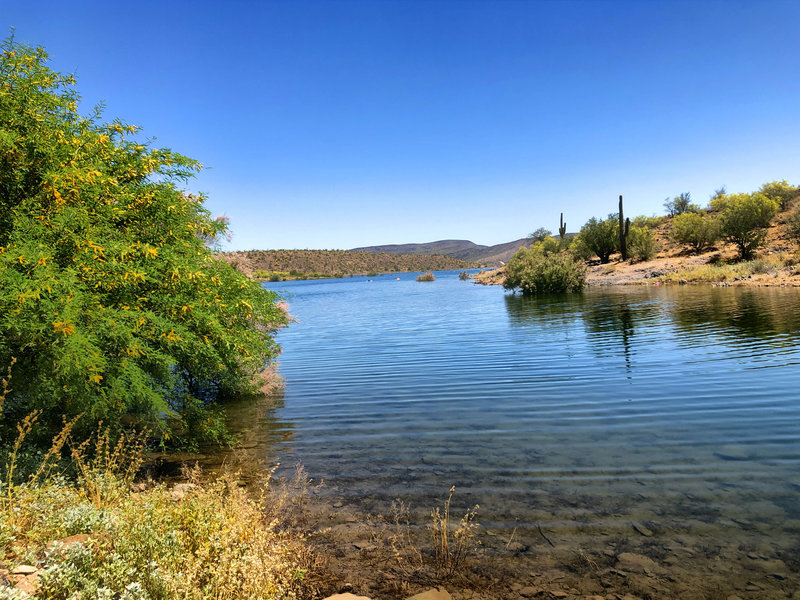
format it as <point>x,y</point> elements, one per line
<point>336,124</point>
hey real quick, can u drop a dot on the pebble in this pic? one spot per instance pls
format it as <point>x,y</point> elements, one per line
<point>24,570</point>
<point>642,528</point>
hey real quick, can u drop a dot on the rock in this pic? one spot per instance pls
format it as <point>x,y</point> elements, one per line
<point>637,563</point>
<point>347,596</point>
<point>24,570</point>
<point>80,538</point>
<point>516,547</point>
<point>365,546</point>
<point>29,584</point>
<point>641,528</point>
<point>733,452</point>
<point>530,592</point>
<point>595,598</point>
<point>179,490</point>
<point>559,594</point>
<point>432,594</point>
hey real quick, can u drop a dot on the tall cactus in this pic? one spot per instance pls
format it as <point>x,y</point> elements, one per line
<point>624,229</point>
<point>562,228</point>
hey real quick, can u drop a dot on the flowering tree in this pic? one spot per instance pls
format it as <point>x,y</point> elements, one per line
<point>112,304</point>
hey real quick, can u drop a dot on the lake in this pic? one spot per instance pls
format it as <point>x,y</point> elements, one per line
<point>661,422</point>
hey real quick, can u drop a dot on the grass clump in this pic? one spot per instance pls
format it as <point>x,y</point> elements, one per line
<point>452,544</point>
<point>93,537</point>
<point>426,277</point>
<point>723,272</point>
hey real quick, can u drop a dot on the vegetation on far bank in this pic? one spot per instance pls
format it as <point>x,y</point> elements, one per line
<point>281,265</point>
<point>735,228</point>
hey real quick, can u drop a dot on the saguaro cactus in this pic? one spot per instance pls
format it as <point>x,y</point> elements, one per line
<point>562,228</point>
<point>624,229</point>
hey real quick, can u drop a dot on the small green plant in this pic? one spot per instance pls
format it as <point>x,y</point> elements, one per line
<point>426,277</point>
<point>106,470</point>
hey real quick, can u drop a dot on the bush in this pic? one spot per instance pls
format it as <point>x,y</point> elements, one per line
<point>533,272</point>
<point>698,231</point>
<point>793,223</point>
<point>744,219</point>
<point>111,299</point>
<point>426,277</point>
<point>781,192</point>
<point>207,540</point>
<point>642,244</point>
<point>601,237</point>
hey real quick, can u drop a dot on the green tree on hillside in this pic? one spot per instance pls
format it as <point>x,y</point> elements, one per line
<point>111,302</point>
<point>744,220</point>
<point>601,237</point>
<point>781,192</point>
<point>698,231</point>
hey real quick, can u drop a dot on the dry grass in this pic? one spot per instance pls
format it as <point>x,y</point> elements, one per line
<point>453,542</point>
<point>214,539</point>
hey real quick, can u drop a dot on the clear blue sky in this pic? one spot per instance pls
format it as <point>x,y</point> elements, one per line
<point>336,124</point>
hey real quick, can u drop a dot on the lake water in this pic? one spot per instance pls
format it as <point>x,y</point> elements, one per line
<point>661,421</point>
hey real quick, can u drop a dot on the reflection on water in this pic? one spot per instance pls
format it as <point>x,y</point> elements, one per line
<point>662,421</point>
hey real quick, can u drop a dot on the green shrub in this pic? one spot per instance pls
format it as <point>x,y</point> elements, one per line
<point>696,230</point>
<point>781,192</point>
<point>426,277</point>
<point>533,272</point>
<point>601,237</point>
<point>642,244</point>
<point>744,221</point>
<point>112,299</point>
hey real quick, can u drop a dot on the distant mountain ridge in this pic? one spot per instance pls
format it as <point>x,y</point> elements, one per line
<point>463,249</point>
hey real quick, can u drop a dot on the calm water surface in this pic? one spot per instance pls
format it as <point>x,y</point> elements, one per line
<point>642,413</point>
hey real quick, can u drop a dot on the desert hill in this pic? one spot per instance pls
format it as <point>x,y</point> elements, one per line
<point>461,249</point>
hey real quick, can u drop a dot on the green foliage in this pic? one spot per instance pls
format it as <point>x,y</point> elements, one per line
<point>744,220</point>
<point>539,235</point>
<point>111,301</point>
<point>642,244</point>
<point>535,272</point>
<point>793,223</point>
<point>781,192</point>
<point>601,237</point>
<point>649,222</point>
<point>426,277</point>
<point>680,204</point>
<point>698,231</point>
